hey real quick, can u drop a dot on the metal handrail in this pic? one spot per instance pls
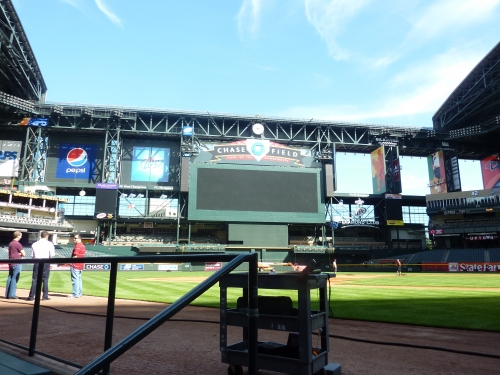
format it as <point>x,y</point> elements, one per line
<point>111,353</point>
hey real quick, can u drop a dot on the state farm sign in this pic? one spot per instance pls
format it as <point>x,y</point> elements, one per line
<point>474,267</point>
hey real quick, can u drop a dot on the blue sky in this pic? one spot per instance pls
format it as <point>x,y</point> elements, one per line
<point>383,62</point>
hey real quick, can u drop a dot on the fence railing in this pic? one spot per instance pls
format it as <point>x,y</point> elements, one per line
<point>112,352</point>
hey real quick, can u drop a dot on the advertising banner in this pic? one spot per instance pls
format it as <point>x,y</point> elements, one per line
<point>131,267</point>
<point>168,267</point>
<point>490,170</point>
<point>150,164</point>
<point>255,151</point>
<point>97,266</point>
<point>436,231</point>
<point>378,170</point>
<point>10,152</point>
<point>437,176</point>
<point>478,267</point>
<point>60,267</point>
<point>76,161</point>
<point>213,266</point>
<point>482,237</point>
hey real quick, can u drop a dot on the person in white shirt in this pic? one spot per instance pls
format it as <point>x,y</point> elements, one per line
<point>42,249</point>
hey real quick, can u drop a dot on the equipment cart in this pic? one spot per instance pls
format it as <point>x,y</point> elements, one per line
<point>297,356</point>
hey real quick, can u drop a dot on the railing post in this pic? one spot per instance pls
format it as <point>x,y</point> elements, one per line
<point>253,315</point>
<point>110,314</point>
<point>36,308</point>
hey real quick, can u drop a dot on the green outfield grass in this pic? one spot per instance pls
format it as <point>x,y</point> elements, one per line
<point>468,301</point>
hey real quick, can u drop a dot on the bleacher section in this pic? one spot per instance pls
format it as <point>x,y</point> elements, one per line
<point>494,255</point>
<point>36,220</point>
<point>138,239</point>
<point>28,250</point>
<point>466,255</point>
<point>405,258</point>
<point>427,256</point>
<point>66,251</point>
<point>358,243</point>
<point>475,224</point>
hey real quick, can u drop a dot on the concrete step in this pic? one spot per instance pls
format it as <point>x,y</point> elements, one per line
<point>10,365</point>
<point>40,363</point>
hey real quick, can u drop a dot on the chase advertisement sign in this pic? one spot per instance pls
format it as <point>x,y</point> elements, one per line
<point>97,266</point>
<point>76,161</point>
<point>256,152</point>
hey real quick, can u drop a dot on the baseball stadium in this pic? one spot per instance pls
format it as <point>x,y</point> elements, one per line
<point>218,243</point>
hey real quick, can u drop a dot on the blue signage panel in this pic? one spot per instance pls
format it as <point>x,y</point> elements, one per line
<point>76,161</point>
<point>150,164</point>
<point>187,131</point>
<point>132,267</point>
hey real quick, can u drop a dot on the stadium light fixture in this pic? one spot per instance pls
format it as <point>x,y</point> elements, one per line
<point>58,110</point>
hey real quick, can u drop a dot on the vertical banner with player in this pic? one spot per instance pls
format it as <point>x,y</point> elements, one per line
<point>437,176</point>
<point>490,170</point>
<point>76,161</point>
<point>378,170</point>
<point>452,169</point>
<point>393,170</point>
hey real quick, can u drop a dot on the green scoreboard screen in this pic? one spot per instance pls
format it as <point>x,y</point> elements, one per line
<point>246,193</point>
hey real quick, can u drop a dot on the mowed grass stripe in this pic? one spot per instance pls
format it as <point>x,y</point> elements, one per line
<point>428,307</point>
<point>464,280</point>
<point>432,300</point>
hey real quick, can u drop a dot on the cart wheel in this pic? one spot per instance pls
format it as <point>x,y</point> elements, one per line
<point>235,370</point>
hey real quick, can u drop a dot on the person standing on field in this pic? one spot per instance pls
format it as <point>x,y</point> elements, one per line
<point>16,251</point>
<point>76,268</point>
<point>334,264</point>
<point>42,249</point>
<point>398,264</point>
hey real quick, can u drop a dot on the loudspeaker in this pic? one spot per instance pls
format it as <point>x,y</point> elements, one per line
<point>185,174</point>
<point>329,181</point>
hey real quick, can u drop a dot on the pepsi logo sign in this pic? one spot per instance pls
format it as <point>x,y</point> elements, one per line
<point>76,160</point>
<point>77,157</point>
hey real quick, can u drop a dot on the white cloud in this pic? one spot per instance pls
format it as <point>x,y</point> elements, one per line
<point>249,16</point>
<point>441,19</point>
<point>447,16</point>
<point>329,18</point>
<point>78,4</point>
<point>421,88</point>
<point>103,7</point>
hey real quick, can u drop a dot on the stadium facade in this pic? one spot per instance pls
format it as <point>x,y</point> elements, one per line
<point>178,181</point>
